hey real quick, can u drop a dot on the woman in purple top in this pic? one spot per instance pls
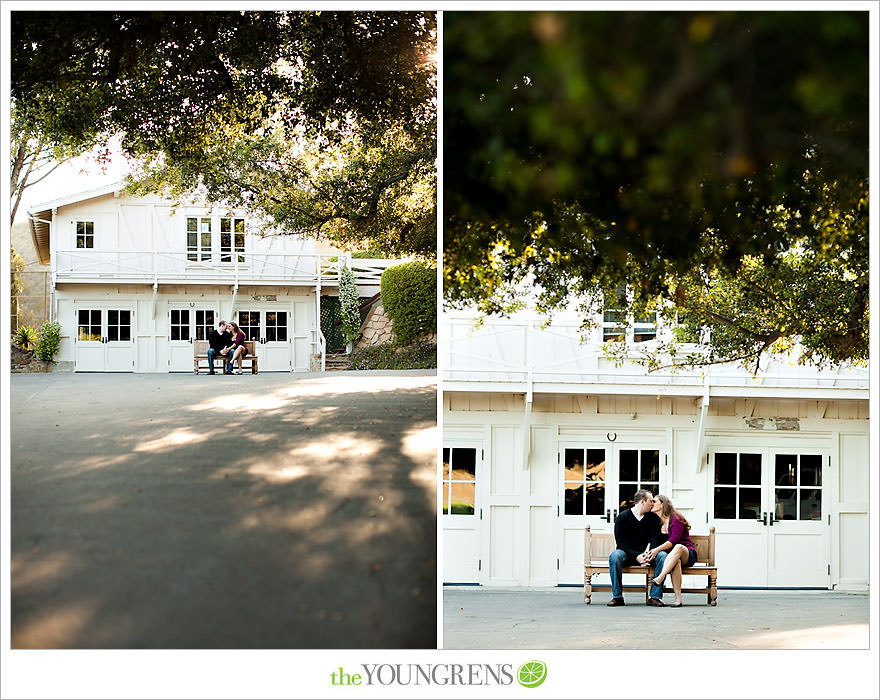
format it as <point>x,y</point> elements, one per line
<point>682,552</point>
<point>238,349</point>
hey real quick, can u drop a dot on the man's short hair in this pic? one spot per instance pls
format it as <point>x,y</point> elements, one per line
<point>641,495</point>
<point>222,323</point>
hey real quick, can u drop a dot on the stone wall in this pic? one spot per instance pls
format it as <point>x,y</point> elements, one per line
<point>21,360</point>
<point>376,328</point>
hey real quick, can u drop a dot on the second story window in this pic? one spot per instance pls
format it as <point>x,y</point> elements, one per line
<point>614,317</point>
<point>231,239</point>
<point>198,238</point>
<point>85,234</point>
<point>615,323</point>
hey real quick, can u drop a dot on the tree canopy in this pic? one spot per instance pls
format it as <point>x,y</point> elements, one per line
<point>715,163</point>
<point>192,92</point>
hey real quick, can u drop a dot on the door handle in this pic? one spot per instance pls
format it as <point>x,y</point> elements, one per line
<point>763,519</point>
<point>608,516</point>
<point>771,519</point>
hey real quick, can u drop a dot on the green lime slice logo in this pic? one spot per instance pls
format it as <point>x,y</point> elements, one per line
<point>531,674</point>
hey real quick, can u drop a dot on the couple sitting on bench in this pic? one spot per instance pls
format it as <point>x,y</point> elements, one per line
<point>652,532</point>
<point>229,345</point>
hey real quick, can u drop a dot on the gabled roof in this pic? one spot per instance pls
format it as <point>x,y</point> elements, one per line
<point>40,215</point>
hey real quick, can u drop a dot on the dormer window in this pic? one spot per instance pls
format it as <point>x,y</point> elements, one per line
<point>231,238</point>
<point>616,324</point>
<point>198,238</point>
<point>85,234</point>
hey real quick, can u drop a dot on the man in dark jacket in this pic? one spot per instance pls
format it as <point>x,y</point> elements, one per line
<point>219,340</point>
<point>635,530</point>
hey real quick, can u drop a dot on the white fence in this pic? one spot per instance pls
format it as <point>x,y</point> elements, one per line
<point>149,266</point>
<point>523,353</point>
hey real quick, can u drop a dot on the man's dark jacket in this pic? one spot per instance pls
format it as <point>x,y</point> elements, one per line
<point>633,535</point>
<point>219,340</point>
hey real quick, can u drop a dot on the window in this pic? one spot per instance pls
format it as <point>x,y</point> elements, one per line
<point>198,238</point>
<point>614,317</point>
<point>88,324</point>
<point>231,238</point>
<point>584,481</point>
<point>118,325</point>
<point>85,234</point>
<point>639,469</point>
<point>615,321</point>
<point>737,492</point>
<point>276,326</point>
<point>249,322</point>
<point>179,324</point>
<point>204,323</point>
<point>798,487</point>
<point>459,480</point>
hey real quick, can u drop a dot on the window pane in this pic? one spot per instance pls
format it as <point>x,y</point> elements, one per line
<point>125,333</point>
<point>749,504</point>
<point>811,470</point>
<point>811,504</point>
<point>225,225</point>
<point>112,333</point>
<point>650,470</point>
<point>574,465</point>
<point>83,317</point>
<point>445,459</point>
<point>786,504</point>
<point>594,495</point>
<point>239,226</point>
<point>175,316</point>
<point>445,498</point>
<point>725,502</point>
<point>113,317</point>
<point>574,498</point>
<point>462,498</point>
<point>464,463</point>
<point>786,470</point>
<point>629,466</point>
<point>191,225</point>
<point>749,469</point>
<point>96,318</point>
<point>595,469</point>
<point>624,496</point>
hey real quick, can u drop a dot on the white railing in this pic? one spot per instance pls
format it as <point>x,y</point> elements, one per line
<point>519,353</point>
<point>290,268</point>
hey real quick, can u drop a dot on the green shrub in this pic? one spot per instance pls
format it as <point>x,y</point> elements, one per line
<point>421,355</point>
<point>25,337</point>
<point>50,340</point>
<point>349,303</point>
<point>409,295</point>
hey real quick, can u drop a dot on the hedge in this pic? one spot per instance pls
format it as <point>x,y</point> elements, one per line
<point>422,355</point>
<point>409,295</point>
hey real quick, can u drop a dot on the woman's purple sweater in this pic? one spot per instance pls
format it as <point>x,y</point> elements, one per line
<point>678,533</point>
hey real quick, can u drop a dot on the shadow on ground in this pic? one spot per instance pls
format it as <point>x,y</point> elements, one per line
<point>167,512</point>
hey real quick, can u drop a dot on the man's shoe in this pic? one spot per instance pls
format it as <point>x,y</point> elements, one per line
<point>656,602</point>
<point>614,602</point>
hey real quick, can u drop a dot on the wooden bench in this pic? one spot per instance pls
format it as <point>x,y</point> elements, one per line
<point>200,353</point>
<point>598,546</point>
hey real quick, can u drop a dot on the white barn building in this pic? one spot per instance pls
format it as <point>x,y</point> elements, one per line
<point>134,280</point>
<point>543,435</point>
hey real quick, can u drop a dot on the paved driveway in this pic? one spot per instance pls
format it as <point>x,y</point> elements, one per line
<point>183,511</point>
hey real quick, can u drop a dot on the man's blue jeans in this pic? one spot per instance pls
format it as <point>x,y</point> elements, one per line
<point>212,354</point>
<point>616,562</point>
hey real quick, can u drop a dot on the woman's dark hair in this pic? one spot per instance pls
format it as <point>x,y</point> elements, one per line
<point>669,510</point>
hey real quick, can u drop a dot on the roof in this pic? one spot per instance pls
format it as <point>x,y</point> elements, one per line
<point>40,215</point>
